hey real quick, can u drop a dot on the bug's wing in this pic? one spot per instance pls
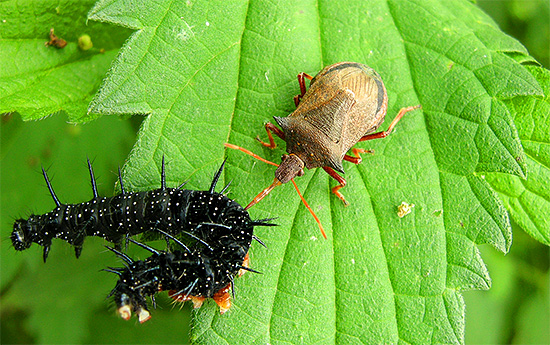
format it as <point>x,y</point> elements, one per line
<point>330,116</point>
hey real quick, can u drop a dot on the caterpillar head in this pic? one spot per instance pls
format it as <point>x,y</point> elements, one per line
<point>21,234</point>
<point>132,287</point>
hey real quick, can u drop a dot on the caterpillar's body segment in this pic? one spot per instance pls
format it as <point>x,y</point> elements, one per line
<point>172,210</point>
<point>194,276</point>
<point>204,270</point>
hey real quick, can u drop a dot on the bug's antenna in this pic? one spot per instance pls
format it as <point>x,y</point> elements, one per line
<point>275,183</point>
<point>263,193</point>
<point>250,153</point>
<point>92,177</point>
<point>217,177</point>
<point>52,193</point>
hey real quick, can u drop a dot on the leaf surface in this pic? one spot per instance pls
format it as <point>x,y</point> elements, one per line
<point>378,278</point>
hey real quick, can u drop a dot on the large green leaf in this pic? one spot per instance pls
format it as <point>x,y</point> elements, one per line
<point>206,73</point>
<point>216,72</point>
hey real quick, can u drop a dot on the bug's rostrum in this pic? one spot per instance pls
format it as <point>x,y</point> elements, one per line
<point>291,166</point>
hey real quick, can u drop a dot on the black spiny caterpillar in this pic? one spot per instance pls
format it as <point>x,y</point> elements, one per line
<point>204,271</point>
<point>174,210</point>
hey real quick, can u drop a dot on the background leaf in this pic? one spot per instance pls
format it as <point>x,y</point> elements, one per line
<point>37,81</point>
<point>208,73</point>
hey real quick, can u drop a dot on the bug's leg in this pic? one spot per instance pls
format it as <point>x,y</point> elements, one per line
<point>309,209</point>
<point>356,159</point>
<point>384,134</point>
<point>340,180</point>
<point>269,127</point>
<point>302,83</point>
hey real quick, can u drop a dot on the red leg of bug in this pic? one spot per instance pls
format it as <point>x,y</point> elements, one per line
<point>269,127</point>
<point>310,210</point>
<point>302,83</point>
<point>356,159</point>
<point>340,180</point>
<point>384,134</point>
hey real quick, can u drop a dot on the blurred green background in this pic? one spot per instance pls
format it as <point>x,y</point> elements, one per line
<point>516,310</point>
<point>64,300</point>
<point>526,20</point>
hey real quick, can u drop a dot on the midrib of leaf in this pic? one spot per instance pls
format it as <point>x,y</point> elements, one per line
<point>286,250</point>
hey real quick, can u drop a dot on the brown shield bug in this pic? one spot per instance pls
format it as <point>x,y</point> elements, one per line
<point>345,103</point>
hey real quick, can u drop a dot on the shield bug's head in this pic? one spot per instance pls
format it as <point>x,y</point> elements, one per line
<point>290,167</point>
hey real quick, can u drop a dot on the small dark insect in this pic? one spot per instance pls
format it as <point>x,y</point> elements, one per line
<point>345,103</point>
<point>206,270</point>
<point>176,211</point>
<point>55,41</point>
